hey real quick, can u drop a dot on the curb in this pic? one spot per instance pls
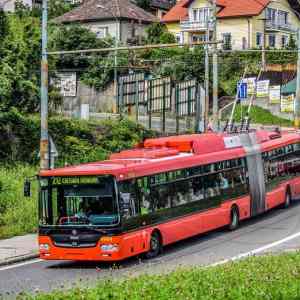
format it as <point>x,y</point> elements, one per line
<point>18,259</point>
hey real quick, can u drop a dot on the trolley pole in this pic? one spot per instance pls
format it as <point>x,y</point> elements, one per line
<point>215,69</point>
<point>297,100</point>
<point>44,142</point>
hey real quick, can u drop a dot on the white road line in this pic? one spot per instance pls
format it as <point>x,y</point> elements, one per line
<point>256,251</point>
<point>25,263</point>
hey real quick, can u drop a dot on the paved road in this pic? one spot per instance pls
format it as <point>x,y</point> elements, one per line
<point>201,250</point>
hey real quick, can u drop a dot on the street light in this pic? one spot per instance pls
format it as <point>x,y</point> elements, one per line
<point>116,50</point>
<point>44,140</point>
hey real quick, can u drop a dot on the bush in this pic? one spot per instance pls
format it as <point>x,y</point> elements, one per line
<point>18,215</point>
<point>77,141</point>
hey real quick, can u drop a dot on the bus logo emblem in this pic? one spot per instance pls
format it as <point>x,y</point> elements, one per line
<point>74,232</point>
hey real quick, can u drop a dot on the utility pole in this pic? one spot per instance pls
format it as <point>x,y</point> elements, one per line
<point>206,108</point>
<point>297,100</point>
<point>215,67</point>
<point>44,142</point>
<point>263,52</point>
<point>116,62</point>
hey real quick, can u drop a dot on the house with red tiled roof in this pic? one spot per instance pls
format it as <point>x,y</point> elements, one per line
<point>241,24</point>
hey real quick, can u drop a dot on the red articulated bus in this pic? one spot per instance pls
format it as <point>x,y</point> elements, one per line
<point>166,190</point>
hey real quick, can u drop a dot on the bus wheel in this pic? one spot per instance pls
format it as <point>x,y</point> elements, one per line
<point>287,202</point>
<point>234,218</point>
<point>155,245</point>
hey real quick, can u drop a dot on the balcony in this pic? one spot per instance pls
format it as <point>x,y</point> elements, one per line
<point>275,26</point>
<point>193,26</point>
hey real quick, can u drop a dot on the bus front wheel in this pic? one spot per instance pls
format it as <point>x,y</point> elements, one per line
<point>155,245</point>
<point>234,218</point>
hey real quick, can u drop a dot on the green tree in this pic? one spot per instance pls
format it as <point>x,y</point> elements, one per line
<point>57,8</point>
<point>292,45</point>
<point>19,71</point>
<point>158,33</point>
<point>3,26</point>
<point>75,37</point>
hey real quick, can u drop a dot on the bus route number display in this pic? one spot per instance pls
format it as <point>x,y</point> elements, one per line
<point>74,180</point>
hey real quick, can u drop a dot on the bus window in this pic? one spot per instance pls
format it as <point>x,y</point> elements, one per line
<point>160,197</point>
<point>212,185</point>
<point>144,195</point>
<point>128,198</point>
<point>69,204</point>
<point>181,193</point>
<point>198,189</point>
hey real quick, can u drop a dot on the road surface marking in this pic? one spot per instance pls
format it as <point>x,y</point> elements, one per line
<point>25,263</point>
<point>256,251</point>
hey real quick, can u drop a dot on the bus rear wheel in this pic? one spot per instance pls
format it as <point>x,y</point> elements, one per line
<point>155,246</point>
<point>234,219</point>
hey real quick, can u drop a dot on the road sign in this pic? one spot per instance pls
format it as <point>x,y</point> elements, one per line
<point>242,90</point>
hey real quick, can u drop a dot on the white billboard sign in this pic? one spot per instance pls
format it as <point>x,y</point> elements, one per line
<point>262,88</point>
<point>67,84</point>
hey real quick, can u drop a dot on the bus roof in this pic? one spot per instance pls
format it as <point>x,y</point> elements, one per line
<point>172,153</point>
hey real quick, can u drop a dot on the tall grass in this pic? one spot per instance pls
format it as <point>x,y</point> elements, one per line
<point>257,278</point>
<point>18,215</point>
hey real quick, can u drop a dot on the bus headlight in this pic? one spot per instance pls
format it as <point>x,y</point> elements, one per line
<point>109,248</point>
<point>44,247</point>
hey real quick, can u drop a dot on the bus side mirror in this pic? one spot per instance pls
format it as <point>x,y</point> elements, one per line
<point>27,188</point>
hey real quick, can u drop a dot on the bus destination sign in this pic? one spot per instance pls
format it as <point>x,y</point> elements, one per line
<point>74,180</point>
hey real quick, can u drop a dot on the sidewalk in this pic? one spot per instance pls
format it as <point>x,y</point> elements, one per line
<point>18,249</point>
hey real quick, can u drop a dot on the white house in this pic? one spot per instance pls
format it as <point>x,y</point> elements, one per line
<point>119,19</point>
<point>9,5</point>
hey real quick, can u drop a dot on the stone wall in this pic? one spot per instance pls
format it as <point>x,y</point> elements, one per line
<point>98,101</point>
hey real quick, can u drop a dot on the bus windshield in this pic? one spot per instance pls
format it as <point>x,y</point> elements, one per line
<point>68,201</point>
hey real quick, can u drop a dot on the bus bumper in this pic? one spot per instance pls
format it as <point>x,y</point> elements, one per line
<point>48,251</point>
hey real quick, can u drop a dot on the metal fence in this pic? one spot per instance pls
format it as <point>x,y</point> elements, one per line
<point>159,96</point>
<point>131,89</point>
<point>185,98</point>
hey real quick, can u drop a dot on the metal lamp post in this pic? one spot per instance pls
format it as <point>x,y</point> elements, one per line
<point>44,141</point>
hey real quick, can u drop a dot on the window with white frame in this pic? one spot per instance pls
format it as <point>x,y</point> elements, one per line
<point>201,14</point>
<point>227,41</point>
<point>284,41</point>
<point>179,37</point>
<point>272,40</point>
<point>102,32</point>
<point>282,17</point>
<point>271,14</point>
<point>259,39</point>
